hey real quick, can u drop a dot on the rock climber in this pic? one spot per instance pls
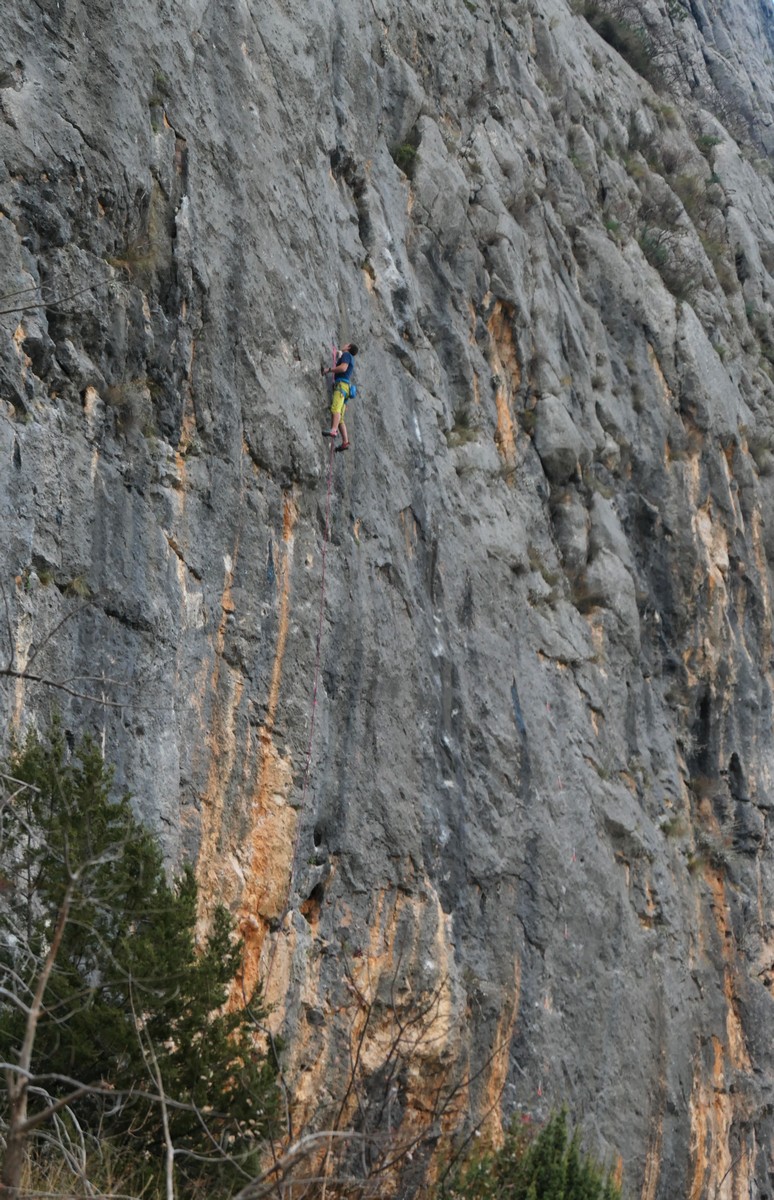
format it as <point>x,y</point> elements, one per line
<point>342,388</point>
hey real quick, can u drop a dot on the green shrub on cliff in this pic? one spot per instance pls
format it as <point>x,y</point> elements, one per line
<point>630,40</point>
<point>111,1017</point>
<point>543,1165</point>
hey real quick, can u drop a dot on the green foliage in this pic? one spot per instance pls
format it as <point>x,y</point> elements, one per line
<point>636,167</point>
<point>674,826</point>
<point>161,90</point>
<point>718,254</point>
<point>712,851</point>
<point>706,143</point>
<point>693,193</point>
<point>543,1165</point>
<point>404,157</point>
<point>676,10</point>
<point>161,83</point>
<point>129,999</point>
<point>631,42</point>
<point>662,248</point>
<point>463,430</point>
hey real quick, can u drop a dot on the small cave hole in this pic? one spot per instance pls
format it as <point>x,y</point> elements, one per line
<point>310,909</point>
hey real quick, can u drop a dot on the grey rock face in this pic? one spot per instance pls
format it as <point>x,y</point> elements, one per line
<point>541,772</point>
<point>557,441</point>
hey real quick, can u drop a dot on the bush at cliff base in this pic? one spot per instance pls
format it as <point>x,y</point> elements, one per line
<point>131,1000</point>
<point>533,1165</point>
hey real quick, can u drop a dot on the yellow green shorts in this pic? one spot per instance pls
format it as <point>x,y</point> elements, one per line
<point>340,397</point>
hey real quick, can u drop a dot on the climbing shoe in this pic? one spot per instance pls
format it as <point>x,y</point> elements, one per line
<point>343,446</point>
<point>329,433</point>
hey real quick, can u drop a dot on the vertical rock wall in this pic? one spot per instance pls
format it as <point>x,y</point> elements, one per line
<point>536,830</point>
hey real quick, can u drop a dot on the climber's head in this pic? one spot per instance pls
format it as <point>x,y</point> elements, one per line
<point>351,347</point>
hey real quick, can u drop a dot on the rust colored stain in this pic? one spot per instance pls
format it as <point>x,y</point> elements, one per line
<point>180,467</point>
<point>711,1117</point>
<point>426,1045</point>
<point>505,438</point>
<point>498,1074</point>
<point>289,518</point>
<point>256,470</point>
<point>652,1161</point>
<point>664,389</point>
<point>698,1113</point>
<point>270,840</point>
<point>388,1025</point>
<point>714,1107</point>
<point>505,364</point>
<point>722,1117</point>
<point>737,1043</point>
<point>409,526</point>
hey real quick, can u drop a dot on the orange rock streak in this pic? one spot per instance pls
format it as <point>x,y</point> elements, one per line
<point>270,841</point>
<point>505,364</point>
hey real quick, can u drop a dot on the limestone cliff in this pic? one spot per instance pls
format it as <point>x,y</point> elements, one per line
<point>534,851</point>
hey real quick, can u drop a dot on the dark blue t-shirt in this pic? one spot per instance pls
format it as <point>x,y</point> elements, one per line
<point>345,376</point>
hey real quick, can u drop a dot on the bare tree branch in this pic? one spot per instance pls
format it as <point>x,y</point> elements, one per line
<point>152,1066</point>
<point>100,1090</point>
<point>169,1149</point>
<point>21,786</point>
<point>45,1114</point>
<point>12,998</point>
<point>62,687</point>
<point>79,608</point>
<point>295,1154</point>
<point>54,300</point>
<point>17,1076</point>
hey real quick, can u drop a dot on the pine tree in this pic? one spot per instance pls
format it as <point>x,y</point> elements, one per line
<point>546,1156</point>
<point>129,999</point>
<point>540,1165</point>
<point>573,1168</point>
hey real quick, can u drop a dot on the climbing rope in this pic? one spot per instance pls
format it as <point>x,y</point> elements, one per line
<point>318,656</point>
<point>315,686</point>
